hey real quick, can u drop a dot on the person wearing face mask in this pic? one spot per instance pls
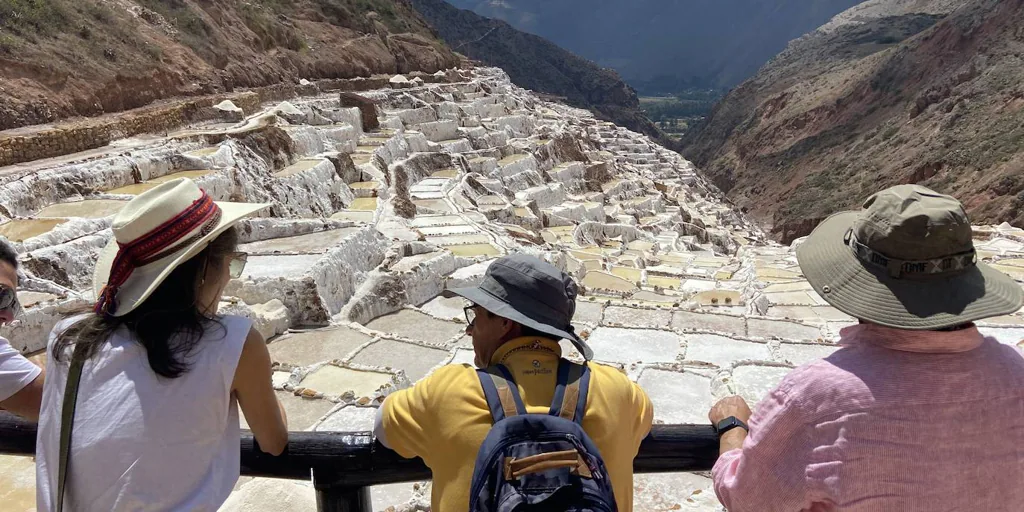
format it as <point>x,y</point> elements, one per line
<point>140,410</point>
<point>21,382</point>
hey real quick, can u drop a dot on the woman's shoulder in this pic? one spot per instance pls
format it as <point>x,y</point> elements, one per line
<point>64,324</point>
<point>236,322</point>
<point>232,328</point>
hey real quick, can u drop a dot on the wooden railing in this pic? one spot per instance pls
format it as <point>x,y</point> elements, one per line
<point>343,465</point>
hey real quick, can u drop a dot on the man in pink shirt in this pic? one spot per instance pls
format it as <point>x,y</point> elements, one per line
<point>917,411</point>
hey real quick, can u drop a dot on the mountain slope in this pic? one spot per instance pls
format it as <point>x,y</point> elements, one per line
<point>657,43</point>
<point>61,58</point>
<point>873,101</point>
<point>538,64</point>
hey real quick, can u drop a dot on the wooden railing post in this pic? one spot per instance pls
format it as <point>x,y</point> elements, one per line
<point>334,498</point>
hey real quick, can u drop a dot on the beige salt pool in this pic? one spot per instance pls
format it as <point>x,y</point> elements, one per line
<point>445,173</point>
<point>473,250</point>
<point>89,209</point>
<point>364,204</point>
<point>300,166</point>
<point>18,486</point>
<point>19,230</point>
<point>605,281</point>
<point>335,380</point>
<point>138,188</point>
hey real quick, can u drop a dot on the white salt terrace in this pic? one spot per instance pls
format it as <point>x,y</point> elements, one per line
<point>678,291</point>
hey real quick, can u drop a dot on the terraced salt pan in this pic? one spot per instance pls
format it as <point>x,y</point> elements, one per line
<point>18,487</point>
<point>718,298</point>
<point>318,242</point>
<point>721,351</point>
<point>414,325</point>
<point>265,266</point>
<point>416,360</point>
<point>694,321</point>
<point>474,250</point>
<point>138,188</point>
<point>445,173</point>
<point>808,313</point>
<point>349,419</point>
<point>635,317</point>
<point>19,230</point>
<point>678,397</point>
<point>302,412</point>
<point>364,204</point>
<point>307,348</point>
<point>89,209</point>
<point>302,166</point>
<point>604,281</point>
<point>441,231</point>
<point>634,345</point>
<point>781,329</point>
<point>432,206</point>
<point>467,239</point>
<point>337,381</point>
<point>360,216</point>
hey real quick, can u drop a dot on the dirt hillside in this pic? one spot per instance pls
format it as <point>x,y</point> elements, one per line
<point>61,58</point>
<point>901,92</point>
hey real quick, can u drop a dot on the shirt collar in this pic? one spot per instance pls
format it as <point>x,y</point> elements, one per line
<point>527,344</point>
<point>925,342</point>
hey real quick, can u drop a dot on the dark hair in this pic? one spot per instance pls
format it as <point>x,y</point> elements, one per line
<point>168,324</point>
<point>8,254</point>
<point>530,332</point>
<point>526,332</point>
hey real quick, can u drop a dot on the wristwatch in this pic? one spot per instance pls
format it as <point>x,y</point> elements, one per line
<point>728,424</point>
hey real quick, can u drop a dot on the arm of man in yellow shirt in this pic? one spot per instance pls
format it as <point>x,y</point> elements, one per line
<point>407,420</point>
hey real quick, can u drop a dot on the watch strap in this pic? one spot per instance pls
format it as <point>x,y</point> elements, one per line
<point>730,423</point>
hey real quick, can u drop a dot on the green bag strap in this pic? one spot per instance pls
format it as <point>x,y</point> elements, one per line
<point>67,419</point>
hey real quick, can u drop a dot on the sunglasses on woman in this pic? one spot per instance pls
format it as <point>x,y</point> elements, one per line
<point>9,300</point>
<point>237,264</point>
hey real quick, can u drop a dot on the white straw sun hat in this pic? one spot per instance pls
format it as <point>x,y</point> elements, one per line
<point>153,234</point>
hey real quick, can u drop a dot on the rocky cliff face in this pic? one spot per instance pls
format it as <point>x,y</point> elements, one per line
<point>538,64</point>
<point>894,92</point>
<point>63,58</point>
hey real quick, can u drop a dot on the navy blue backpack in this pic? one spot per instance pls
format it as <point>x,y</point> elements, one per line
<point>534,462</point>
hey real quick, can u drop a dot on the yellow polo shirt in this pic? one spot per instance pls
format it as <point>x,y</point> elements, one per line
<point>444,418</point>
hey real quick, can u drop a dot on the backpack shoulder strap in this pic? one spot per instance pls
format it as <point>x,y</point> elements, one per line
<point>501,392</point>
<point>570,401</point>
<point>67,414</point>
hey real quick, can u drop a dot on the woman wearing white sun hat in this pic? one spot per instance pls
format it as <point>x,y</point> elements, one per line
<point>139,407</point>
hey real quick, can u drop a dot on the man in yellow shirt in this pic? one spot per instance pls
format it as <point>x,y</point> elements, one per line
<point>520,310</point>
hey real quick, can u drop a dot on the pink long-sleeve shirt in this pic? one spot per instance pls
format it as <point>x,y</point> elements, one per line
<point>894,421</point>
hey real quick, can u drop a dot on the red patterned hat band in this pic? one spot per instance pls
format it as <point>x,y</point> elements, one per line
<point>202,215</point>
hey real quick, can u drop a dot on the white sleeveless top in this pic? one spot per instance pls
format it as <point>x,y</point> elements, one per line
<point>142,442</point>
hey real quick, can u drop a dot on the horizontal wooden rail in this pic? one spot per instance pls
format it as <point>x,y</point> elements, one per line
<point>351,461</point>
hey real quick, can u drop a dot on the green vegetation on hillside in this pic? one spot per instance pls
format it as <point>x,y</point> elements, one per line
<point>676,113</point>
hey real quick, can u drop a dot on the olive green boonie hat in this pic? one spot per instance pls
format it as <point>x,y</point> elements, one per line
<point>907,260</point>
